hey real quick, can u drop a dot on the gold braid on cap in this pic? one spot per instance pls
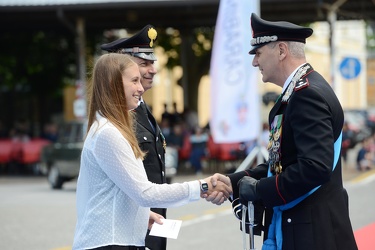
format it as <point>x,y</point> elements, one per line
<point>152,34</point>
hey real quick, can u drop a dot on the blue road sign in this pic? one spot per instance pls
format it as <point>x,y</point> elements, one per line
<point>350,67</point>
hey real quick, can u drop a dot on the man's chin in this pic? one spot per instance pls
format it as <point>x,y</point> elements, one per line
<point>147,86</point>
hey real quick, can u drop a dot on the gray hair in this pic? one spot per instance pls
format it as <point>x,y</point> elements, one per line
<point>296,49</point>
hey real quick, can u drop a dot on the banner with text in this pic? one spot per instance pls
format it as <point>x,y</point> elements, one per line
<point>235,105</point>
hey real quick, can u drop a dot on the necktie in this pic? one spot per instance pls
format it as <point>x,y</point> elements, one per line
<point>144,108</point>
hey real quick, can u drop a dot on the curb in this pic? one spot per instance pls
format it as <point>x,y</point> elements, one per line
<point>361,177</point>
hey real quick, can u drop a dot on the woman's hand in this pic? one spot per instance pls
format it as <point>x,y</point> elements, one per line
<point>154,217</point>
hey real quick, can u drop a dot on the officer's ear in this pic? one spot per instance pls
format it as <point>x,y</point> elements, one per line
<point>283,48</point>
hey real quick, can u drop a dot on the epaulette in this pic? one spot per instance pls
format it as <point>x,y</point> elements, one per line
<point>301,84</point>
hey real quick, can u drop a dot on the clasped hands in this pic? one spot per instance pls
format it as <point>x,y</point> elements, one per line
<point>220,189</point>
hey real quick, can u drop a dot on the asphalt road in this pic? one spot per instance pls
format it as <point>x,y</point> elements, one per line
<point>34,217</point>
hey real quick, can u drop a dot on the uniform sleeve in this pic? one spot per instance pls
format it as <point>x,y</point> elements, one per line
<point>308,122</point>
<point>116,158</point>
<point>258,172</point>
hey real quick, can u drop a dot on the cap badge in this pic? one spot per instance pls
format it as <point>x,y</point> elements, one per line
<point>152,34</point>
<point>263,39</point>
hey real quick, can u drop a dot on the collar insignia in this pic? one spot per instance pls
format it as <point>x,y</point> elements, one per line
<point>303,83</point>
<point>297,77</point>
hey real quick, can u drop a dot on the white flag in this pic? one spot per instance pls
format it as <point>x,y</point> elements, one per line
<point>234,107</point>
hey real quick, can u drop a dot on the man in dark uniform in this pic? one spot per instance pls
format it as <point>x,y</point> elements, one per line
<point>301,183</point>
<point>148,133</point>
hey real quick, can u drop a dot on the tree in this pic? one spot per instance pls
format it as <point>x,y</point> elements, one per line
<point>34,68</point>
<point>191,46</point>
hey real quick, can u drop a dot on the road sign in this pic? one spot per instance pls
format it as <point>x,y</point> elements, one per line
<point>350,67</point>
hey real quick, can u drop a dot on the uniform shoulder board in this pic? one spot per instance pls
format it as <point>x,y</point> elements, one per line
<point>301,84</point>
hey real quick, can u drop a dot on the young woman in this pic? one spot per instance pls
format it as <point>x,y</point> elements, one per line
<point>113,192</point>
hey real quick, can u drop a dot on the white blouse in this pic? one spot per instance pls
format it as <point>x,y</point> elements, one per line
<point>114,194</point>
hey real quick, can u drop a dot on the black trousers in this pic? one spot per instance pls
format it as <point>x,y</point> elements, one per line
<point>115,247</point>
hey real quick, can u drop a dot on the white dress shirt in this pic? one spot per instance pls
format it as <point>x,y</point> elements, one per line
<point>113,193</point>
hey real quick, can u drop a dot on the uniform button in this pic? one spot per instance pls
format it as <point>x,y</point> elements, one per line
<point>157,138</point>
<point>289,220</point>
<point>159,156</point>
<point>145,138</point>
<point>162,172</point>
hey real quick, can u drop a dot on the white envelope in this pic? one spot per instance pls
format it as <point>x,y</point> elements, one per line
<point>169,229</point>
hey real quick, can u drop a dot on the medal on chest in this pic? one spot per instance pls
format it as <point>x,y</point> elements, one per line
<point>274,145</point>
<point>163,141</point>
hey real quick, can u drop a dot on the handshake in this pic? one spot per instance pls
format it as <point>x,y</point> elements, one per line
<point>220,189</point>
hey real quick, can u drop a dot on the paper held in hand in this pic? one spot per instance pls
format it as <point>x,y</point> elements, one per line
<point>169,229</point>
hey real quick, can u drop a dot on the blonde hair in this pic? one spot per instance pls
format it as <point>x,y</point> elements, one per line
<point>106,95</point>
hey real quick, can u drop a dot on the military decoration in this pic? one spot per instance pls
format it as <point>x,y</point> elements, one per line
<point>274,145</point>
<point>163,141</point>
<point>152,34</point>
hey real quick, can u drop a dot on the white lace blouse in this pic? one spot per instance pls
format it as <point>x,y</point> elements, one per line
<point>113,193</point>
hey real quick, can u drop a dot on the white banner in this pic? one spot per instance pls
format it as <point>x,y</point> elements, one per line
<point>234,107</point>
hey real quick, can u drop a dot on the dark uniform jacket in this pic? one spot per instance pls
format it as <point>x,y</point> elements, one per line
<point>312,121</point>
<point>154,163</point>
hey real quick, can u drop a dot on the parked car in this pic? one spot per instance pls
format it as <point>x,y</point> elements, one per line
<point>371,119</point>
<point>357,121</point>
<point>61,159</point>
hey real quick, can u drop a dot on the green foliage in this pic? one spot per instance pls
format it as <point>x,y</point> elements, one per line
<point>36,65</point>
<point>370,27</point>
<point>203,41</point>
<point>31,63</point>
<point>170,40</point>
<point>197,44</point>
